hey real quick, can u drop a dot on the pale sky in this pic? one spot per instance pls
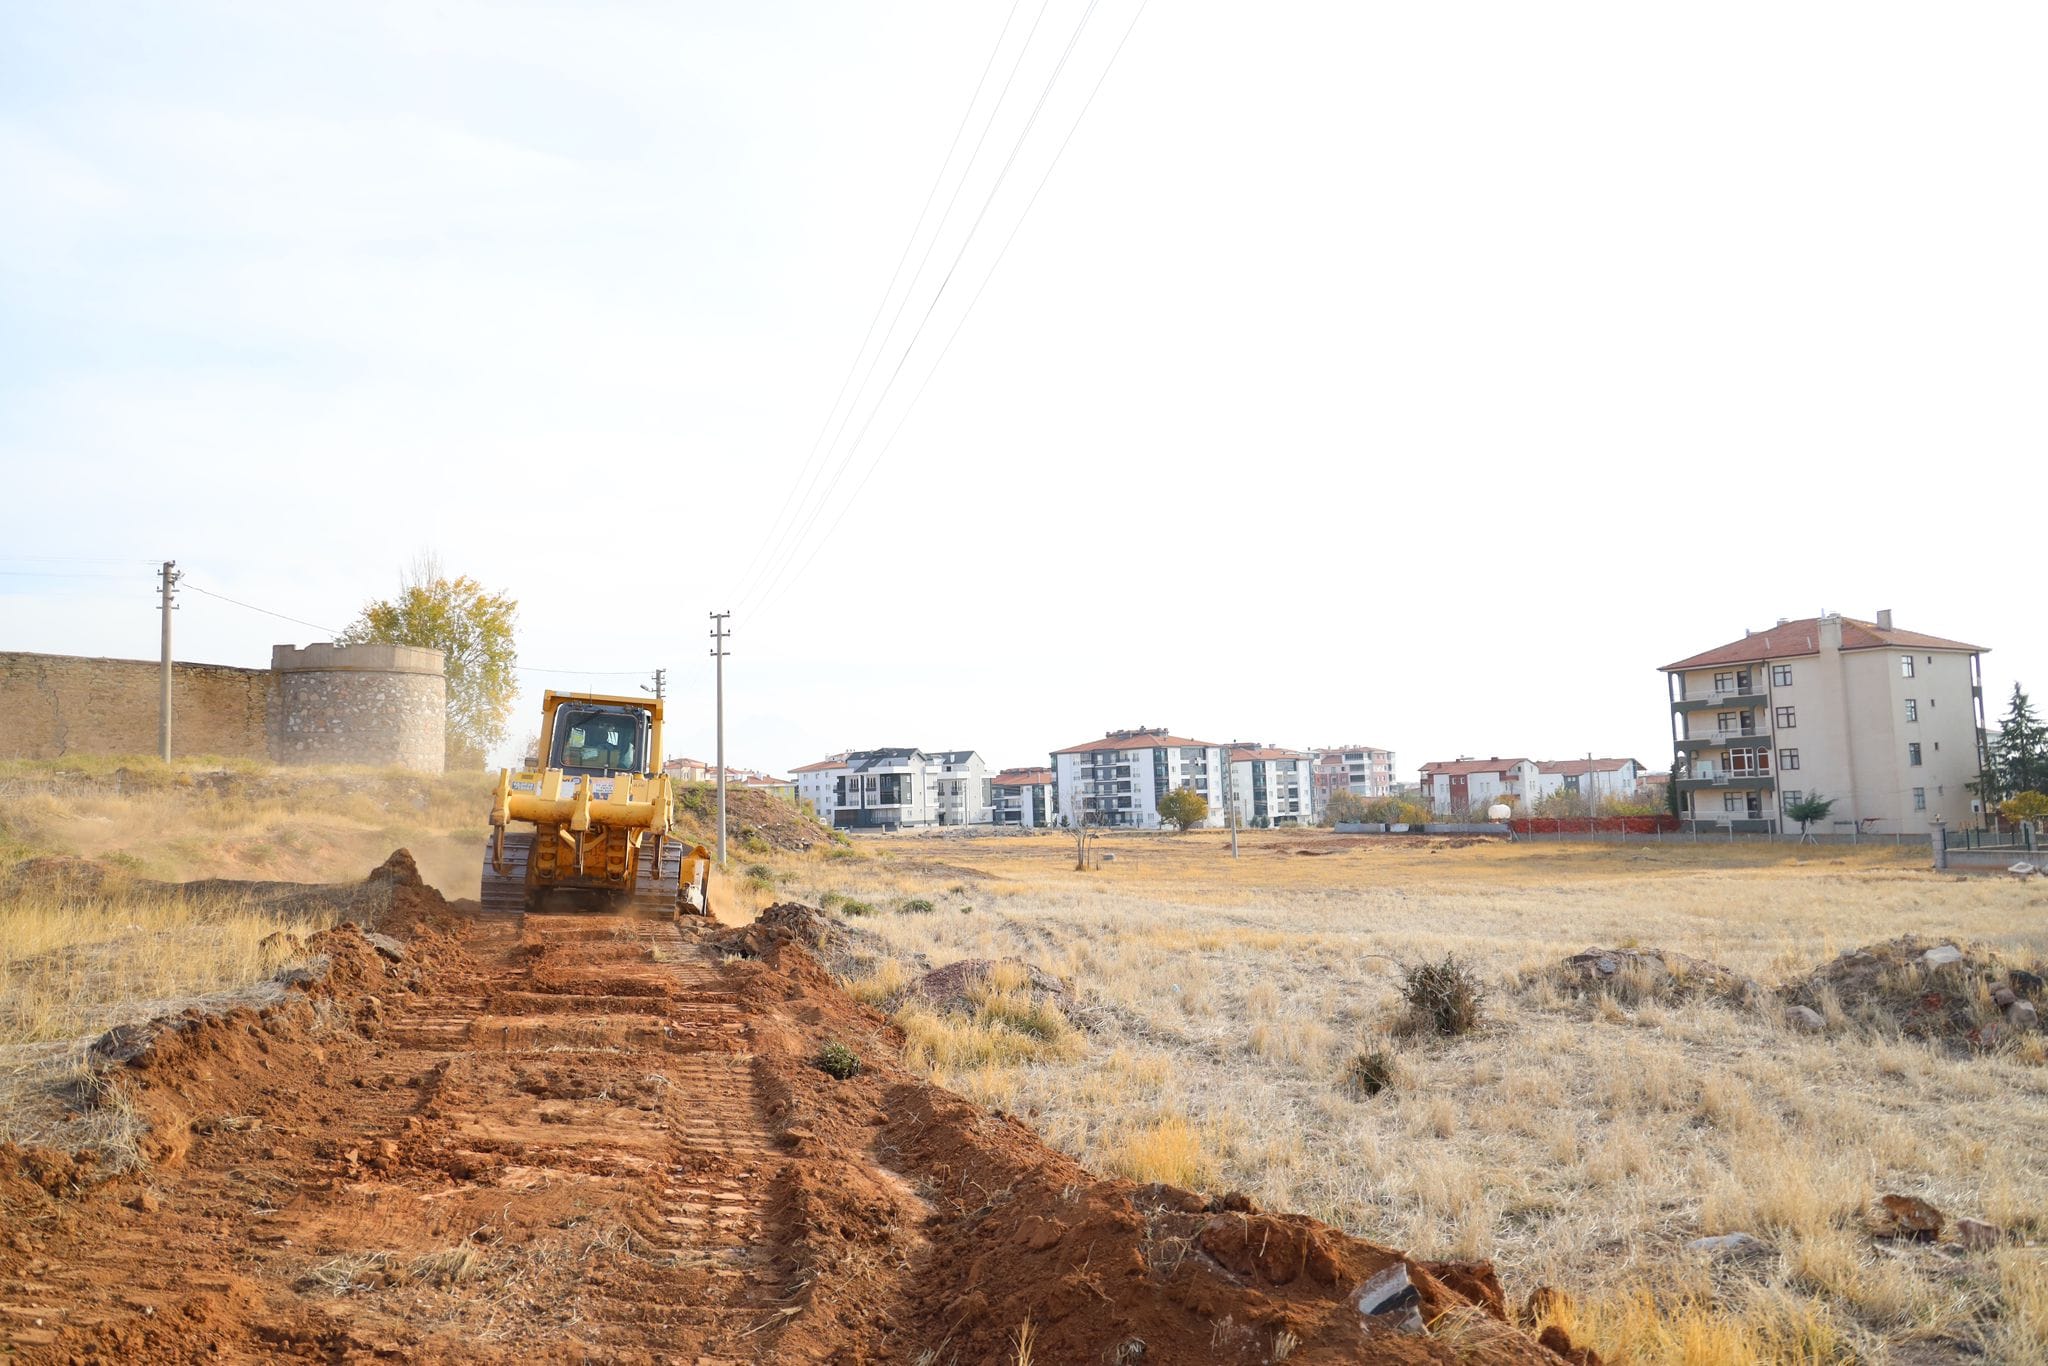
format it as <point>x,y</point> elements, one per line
<point>1414,375</point>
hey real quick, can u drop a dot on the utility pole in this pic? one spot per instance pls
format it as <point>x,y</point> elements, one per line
<point>168,587</point>
<point>719,635</point>
<point>1230,800</point>
<point>660,688</point>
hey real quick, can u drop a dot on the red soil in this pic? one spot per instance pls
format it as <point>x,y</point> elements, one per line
<point>593,1138</point>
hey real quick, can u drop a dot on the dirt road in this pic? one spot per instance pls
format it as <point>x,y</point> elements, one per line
<point>565,1138</point>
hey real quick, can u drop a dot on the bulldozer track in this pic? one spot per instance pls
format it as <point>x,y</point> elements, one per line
<point>599,1054</point>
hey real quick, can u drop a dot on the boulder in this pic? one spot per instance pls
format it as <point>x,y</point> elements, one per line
<point>1941,955</point>
<point>1909,1217</point>
<point>1977,1235</point>
<point>2022,1015</point>
<point>1804,1020</point>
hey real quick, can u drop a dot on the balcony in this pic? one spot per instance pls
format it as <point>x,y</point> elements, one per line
<point>1760,738</point>
<point>1741,697</point>
<point>1729,782</point>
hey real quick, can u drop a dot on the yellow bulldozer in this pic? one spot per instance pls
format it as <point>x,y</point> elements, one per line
<point>600,808</point>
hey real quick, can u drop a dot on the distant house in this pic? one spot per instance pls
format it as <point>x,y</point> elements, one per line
<point>1119,779</point>
<point>1271,786</point>
<point>774,787</point>
<point>1361,769</point>
<point>1608,777</point>
<point>1024,797</point>
<point>893,788</point>
<point>1455,786</point>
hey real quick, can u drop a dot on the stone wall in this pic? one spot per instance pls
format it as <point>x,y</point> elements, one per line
<point>56,706</point>
<point>378,705</point>
<point>384,705</point>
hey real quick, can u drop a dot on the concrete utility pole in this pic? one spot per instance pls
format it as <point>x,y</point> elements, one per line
<point>168,587</point>
<point>660,688</point>
<point>719,635</point>
<point>1229,801</point>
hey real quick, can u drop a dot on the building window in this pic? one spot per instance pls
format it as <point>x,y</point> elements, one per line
<point>1919,799</point>
<point>1724,682</point>
<point>1788,760</point>
<point>1787,720</point>
<point>1905,666</point>
<point>1912,710</point>
<point>1734,801</point>
<point>1781,675</point>
<point>1913,754</point>
<point>1725,721</point>
<point>1793,796</point>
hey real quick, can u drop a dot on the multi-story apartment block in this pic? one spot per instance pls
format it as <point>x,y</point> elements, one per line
<point>1455,786</point>
<point>1888,723</point>
<point>962,786</point>
<point>1119,779</point>
<point>1024,796</point>
<point>1271,786</point>
<point>891,788</point>
<point>1603,778</point>
<point>1366,771</point>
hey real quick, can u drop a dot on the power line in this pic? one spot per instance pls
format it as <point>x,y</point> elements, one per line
<point>776,530</point>
<point>296,621</point>
<point>846,461</point>
<point>961,322</point>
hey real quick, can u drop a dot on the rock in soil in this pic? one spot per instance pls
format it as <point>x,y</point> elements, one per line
<point>1910,1218</point>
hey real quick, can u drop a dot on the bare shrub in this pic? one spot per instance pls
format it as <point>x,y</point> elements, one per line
<point>1443,997</point>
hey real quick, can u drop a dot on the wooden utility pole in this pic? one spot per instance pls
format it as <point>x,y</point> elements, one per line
<point>168,588</point>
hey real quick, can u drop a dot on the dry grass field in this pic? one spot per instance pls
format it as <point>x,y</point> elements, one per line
<point>1213,1014</point>
<point>1579,1138</point>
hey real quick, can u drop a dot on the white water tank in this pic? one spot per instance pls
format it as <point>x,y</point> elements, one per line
<point>1499,811</point>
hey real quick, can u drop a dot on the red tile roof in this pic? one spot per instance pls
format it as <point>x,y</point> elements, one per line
<point>1577,767</point>
<point>1023,777</point>
<point>1136,742</point>
<point>1802,637</point>
<point>820,766</point>
<point>1469,766</point>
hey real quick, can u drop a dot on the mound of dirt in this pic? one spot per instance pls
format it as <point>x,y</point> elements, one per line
<point>952,988</point>
<point>1965,996</point>
<point>59,876</point>
<point>845,950</point>
<point>756,821</point>
<point>1633,975</point>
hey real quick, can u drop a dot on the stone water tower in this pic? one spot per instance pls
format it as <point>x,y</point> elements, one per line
<point>385,706</point>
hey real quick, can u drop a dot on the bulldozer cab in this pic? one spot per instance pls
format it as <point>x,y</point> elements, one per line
<point>599,736</point>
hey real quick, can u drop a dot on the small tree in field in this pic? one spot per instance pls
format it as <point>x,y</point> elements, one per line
<point>2019,752</point>
<point>1184,808</point>
<point>1809,809</point>
<point>473,629</point>
<point>2025,806</point>
<point>1347,807</point>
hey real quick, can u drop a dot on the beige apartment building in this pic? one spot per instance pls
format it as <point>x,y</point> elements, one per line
<point>1887,722</point>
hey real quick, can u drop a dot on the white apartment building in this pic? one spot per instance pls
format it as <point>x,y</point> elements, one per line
<point>1886,722</point>
<point>1367,771</point>
<point>1271,786</point>
<point>1603,778</point>
<point>817,784</point>
<point>1024,797</point>
<point>1451,787</point>
<point>1119,779</point>
<point>889,789</point>
<point>962,787</point>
